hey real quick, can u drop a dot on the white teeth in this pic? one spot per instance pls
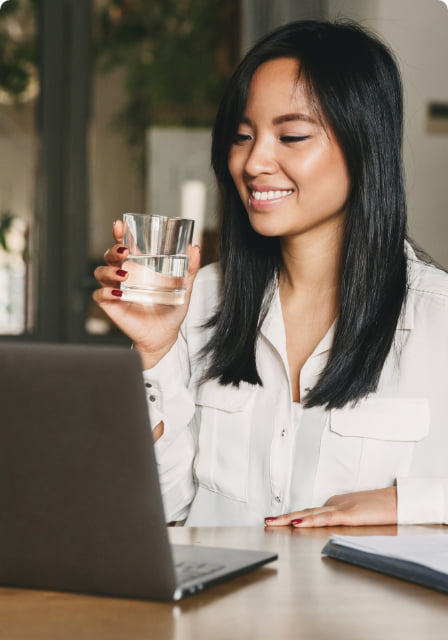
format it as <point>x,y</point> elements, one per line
<point>270,195</point>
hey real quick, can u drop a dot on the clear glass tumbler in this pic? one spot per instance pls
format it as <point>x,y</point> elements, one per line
<point>158,258</point>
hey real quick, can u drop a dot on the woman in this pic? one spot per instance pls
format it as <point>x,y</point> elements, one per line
<point>305,385</point>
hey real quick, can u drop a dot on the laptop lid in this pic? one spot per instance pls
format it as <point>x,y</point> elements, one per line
<point>80,502</point>
<point>80,505</point>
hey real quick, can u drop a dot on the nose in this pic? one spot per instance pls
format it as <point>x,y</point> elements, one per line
<point>261,159</point>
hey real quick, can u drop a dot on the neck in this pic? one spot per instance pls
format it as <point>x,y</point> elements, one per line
<point>311,265</point>
<point>309,295</point>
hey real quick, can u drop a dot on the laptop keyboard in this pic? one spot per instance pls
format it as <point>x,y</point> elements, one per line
<point>188,571</point>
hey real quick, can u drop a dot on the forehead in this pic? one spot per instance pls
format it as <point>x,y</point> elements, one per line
<point>277,84</point>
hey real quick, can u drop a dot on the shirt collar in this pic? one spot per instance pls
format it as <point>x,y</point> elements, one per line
<point>406,319</point>
<point>273,329</point>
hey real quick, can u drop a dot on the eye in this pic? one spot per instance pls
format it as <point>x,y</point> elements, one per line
<point>288,139</point>
<point>240,138</point>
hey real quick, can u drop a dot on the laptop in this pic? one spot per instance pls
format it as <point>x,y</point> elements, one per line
<point>80,502</point>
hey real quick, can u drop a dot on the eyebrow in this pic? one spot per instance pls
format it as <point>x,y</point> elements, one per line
<point>291,117</point>
<point>287,117</point>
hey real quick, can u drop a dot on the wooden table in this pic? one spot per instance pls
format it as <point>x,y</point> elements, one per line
<point>302,596</point>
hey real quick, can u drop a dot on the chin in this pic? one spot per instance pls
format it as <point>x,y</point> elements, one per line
<point>264,227</point>
<point>265,231</point>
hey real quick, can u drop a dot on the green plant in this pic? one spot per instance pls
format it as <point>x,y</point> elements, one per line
<point>14,236</point>
<point>176,55</point>
<point>6,220</point>
<point>17,52</point>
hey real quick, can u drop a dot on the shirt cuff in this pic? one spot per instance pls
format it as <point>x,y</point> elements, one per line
<point>422,500</point>
<point>168,399</point>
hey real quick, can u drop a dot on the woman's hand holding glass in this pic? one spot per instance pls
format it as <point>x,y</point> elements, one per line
<point>153,329</point>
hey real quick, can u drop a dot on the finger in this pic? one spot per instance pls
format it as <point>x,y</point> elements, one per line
<point>118,231</point>
<point>287,518</point>
<point>330,518</point>
<point>157,432</point>
<point>195,260</point>
<point>193,268</point>
<point>115,255</point>
<point>279,521</point>
<point>105,295</point>
<point>110,276</point>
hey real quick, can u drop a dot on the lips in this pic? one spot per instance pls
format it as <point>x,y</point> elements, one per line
<point>263,198</point>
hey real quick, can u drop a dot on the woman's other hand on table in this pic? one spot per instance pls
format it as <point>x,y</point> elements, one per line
<point>375,507</point>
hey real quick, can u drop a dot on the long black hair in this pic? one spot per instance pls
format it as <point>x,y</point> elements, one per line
<point>354,83</point>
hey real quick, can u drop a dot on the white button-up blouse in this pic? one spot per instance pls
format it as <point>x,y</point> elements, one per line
<point>231,456</point>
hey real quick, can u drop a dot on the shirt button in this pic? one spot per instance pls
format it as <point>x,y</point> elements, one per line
<point>277,499</point>
<point>283,433</point>
<point>152,398</point>
<point>148,385</point>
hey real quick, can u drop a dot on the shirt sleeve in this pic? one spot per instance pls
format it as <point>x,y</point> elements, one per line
<point>170,402</point>
<point>422,500</point>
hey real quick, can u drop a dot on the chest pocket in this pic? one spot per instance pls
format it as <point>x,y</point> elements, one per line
<point>378,437</point>
<point>223,417</point>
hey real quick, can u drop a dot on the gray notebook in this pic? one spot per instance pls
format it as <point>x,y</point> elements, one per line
<point>80,503</point>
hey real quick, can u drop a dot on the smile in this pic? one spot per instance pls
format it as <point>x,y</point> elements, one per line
<point>270,195</point>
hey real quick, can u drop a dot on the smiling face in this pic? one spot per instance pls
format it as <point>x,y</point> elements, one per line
<point>288,168</point>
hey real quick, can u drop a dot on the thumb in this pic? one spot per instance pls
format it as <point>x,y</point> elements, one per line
<point>118,231</point>
<point>193,267</point>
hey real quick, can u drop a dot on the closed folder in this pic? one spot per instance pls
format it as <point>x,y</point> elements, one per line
<point>422,559</point>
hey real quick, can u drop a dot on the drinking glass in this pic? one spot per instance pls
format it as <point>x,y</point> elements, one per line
<point>157,263</point>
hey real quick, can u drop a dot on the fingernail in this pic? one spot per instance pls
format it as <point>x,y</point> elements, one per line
<point>121,273</point>
<point>121,249</point>
<point>297,521</point>
<point>272,519</point>
<point>117,293</point>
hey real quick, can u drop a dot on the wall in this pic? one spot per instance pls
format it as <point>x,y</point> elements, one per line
<point>261,16</point>
<point>180,181</point>
<point>115,180</point>
<point>417,30</point>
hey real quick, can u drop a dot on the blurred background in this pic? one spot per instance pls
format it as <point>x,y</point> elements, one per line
<point>106,106</point>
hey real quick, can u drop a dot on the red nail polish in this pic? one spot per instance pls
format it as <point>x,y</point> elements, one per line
<point>121,273</point>
<point>272,519</point>
<point>297,521</point>
<point>117,293</point>
<point>121,249</point>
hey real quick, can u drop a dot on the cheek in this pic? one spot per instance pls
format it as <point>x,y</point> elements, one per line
<point>341,180</point>
<point>329,170</point>
<point>337,166</point>
<point>236,162</point>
